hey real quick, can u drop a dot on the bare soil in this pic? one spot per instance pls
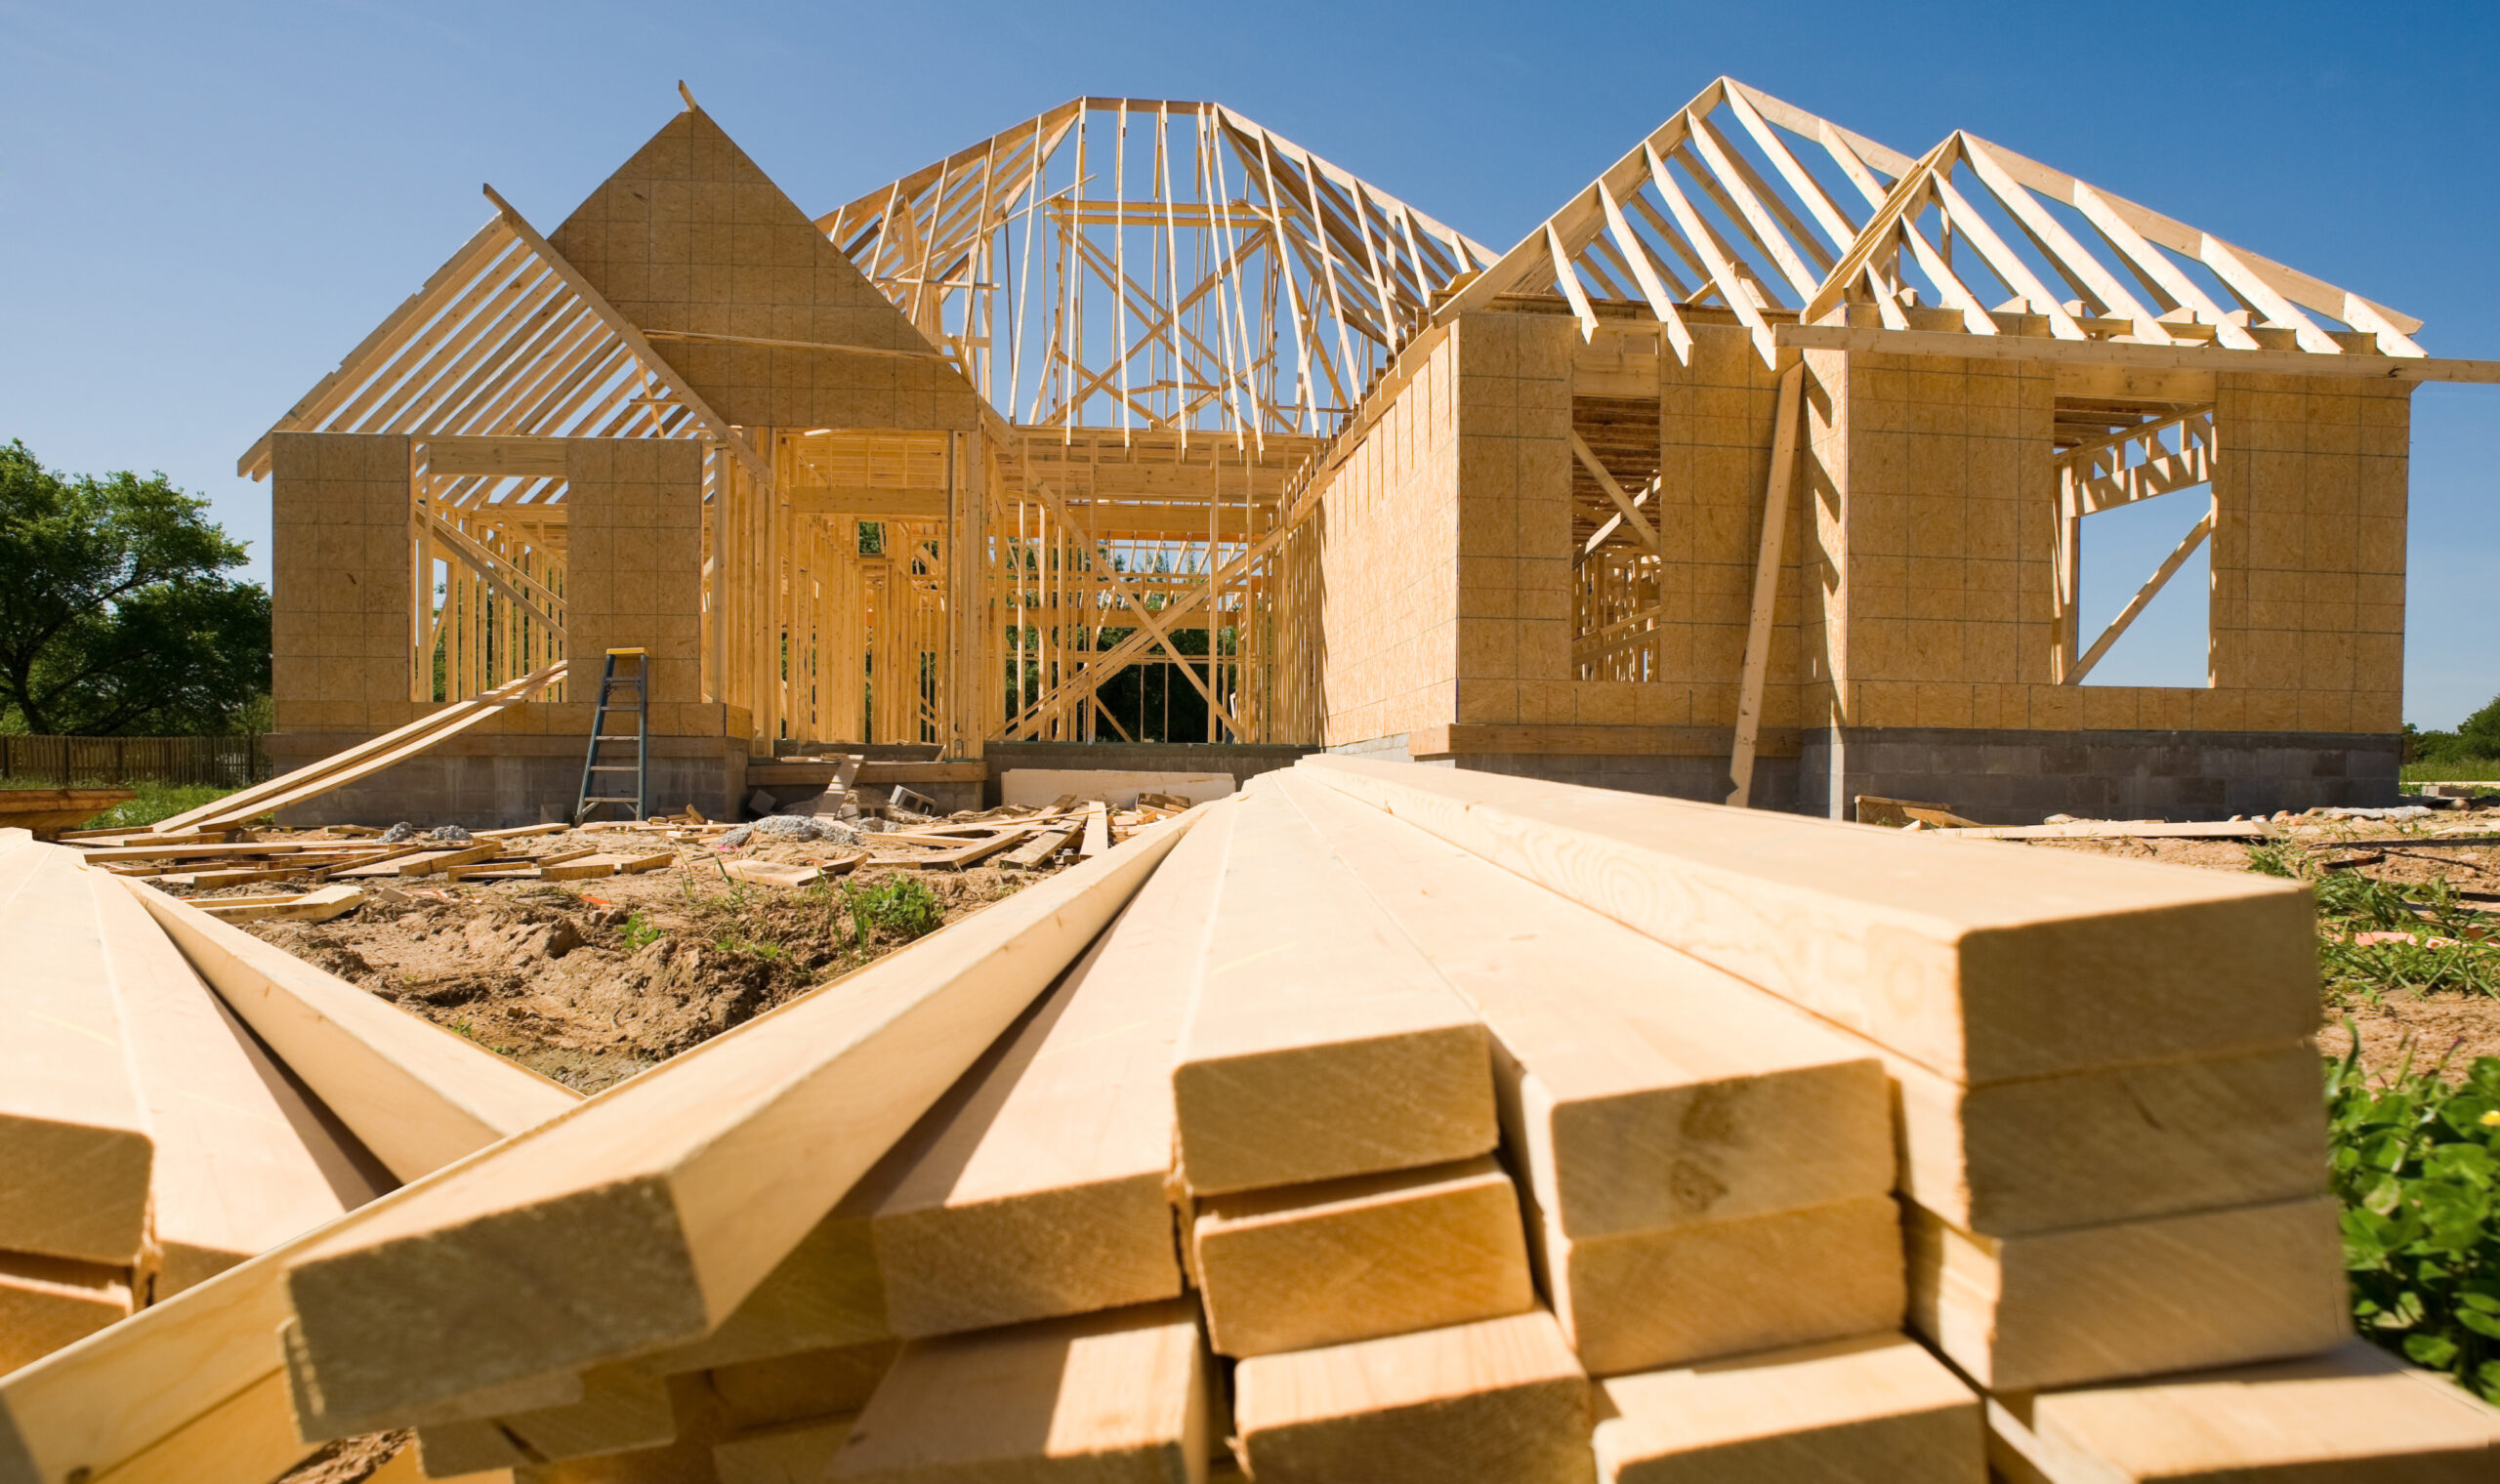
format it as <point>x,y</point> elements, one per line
<point>592,981</point>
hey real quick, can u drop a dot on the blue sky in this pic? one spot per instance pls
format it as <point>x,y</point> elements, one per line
<point>203,207</point>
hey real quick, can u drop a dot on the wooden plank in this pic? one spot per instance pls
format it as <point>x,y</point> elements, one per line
<point>518,867</point>
<point>47,1302</point>
<point>2117,829</point>
<point>2101,353</point>
<point>1640,1088</point>
<point>425,863</point>
<point>924,773</point>
<point>1982,966</point>
<point>1670,1296</point>
<point>75,1149</point>
<point>873,503</point>
<point>686,1165</point>
<point>1098,831</point>
<point>1115,1395</point>
<point>1038,850</point>
<point>1321,1043</point>
<point>793,1453</point>
<point>243,1161</point>
<point>1361,1257</point>
<point>2098,1304</point>
<point>773,873</point>
<point>1770,568</point>
<point>1058,1144</point>
<point>1873,1407</point>
<point>835,1382</point>
<point>362,759</point>
<point>2354,1415</point>
<point>295,907</point>
<point>1500,1401</point>
<point>969,854</point>
<point>417,1096</point>
<point>825,1293</point>
<point>622,1409</point>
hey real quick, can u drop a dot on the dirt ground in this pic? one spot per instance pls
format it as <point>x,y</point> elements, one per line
<point>2449,1028</point>
<point>592,981</point>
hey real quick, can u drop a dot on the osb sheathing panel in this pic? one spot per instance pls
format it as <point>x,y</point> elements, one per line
<point>1388,527</point>
<point>342,566</point>
<point>636,567</point>
<point>1932,497</point>
<point>1715,419</point>
<point>689,235</point>
<point>1513,411</point>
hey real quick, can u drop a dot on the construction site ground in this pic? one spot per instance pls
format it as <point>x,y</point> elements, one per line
<point>591,981</point>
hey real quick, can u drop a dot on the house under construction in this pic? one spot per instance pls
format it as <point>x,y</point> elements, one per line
<point>1762,469</point>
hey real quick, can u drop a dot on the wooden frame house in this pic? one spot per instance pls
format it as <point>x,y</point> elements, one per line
<point>1761,470</point>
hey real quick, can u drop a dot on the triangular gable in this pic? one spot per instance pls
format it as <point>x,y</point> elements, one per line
<point>746,299</point>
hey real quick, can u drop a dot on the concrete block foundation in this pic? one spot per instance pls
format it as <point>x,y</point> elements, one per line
<point>499,781</point>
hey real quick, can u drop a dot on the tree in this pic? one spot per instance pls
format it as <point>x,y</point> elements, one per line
<point>115,612</point>
<point>2477,738</point>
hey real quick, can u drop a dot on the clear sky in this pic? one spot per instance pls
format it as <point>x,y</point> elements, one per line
<point>202,207</point>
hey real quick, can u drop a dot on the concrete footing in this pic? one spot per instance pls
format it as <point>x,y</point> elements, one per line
<point>495,782</point>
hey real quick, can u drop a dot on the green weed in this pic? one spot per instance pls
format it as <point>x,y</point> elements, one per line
<point>640,933</point>
<point>898,905</point>
<point>2416,1164</point>
<point>2443,950</point>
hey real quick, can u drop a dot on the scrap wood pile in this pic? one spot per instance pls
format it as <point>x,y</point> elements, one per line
<point>1510,1132</point>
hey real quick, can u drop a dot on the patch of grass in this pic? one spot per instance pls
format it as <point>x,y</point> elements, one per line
<point>2416,1164</point>
<point>2452,770</point>
<point>640,933</point>
<point>754,948</point>
<point>155,800</point>
<point>898,905</point>
<point>2444,950</point>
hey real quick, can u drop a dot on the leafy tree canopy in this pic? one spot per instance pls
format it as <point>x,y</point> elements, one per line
<point>115,612</point>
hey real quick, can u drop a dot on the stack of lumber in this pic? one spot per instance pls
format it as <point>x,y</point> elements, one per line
<point>1509,1132</point>
<point>156,1132</point>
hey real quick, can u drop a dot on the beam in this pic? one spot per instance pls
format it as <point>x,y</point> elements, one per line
<point>1770,560</point>
<point>1953,343</point>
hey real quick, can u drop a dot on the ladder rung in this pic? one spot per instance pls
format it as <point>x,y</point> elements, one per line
<point>615,767</point>
<point>614,799</point>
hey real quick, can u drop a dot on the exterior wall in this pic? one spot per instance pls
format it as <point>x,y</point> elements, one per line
<point>2309,555</point>
<point>1515,520</point>
<point>635,572</point>
<point>341,567</point>
<point>2021,775</point>
<point>1389,520</point>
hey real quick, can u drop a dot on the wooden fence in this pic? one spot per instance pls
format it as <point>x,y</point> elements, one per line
<point>221,761</point>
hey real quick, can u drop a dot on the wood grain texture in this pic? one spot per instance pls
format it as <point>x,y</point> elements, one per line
<point>75,1147</point>
<point>1036,1187</point>
<point>1982,967</point>
<point>825,1291</point>
<point>1500,1401</point>
<point>622,1410</point>
<point>794,1453</point>
<point>644,1223</point>
<point>1357,1258</point>
<point>47,1302</point>
<point>1320,1043</point>
<point>2353,1415</point>
<point>416,1095</point>
<point>1640,1088</point>
<point>2130,1298</point>
<point>1120,1395</point>
<point>1873,1409</point>
<point>1639,1300</point>
<point>812,1383</point>
<point>243,1161</point>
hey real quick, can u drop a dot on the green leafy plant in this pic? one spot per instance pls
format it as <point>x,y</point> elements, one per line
<point>2415,1163</point>
<point>897,905</point>
<point>2440,946</point>
<point>752,947</point>
<point>640,932</point>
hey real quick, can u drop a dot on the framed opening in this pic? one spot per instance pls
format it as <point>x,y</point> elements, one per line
<point>2136,516</point>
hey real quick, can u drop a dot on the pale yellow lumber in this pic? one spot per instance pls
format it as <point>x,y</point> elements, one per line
<point>1036,1187</point>
<point>1320,1043</point>
<point>47,1302</point>
<point>223,1442</point>
<point>621,1410</point>
<point>1098,829</point>
<point>75,1149</point>
<point>2085,1148</point>
<point>794,1453</point>
<point>1872,1409</point>
<point>1983,965</point>
<point>301,907</point>
<point>404,1468</point>
<point>707,1169</point>
<point>417,1096</point>
<point>2130,1298</point>
<point>1640,1088</point>
<point>1638,1300</point>
<point>1371,1255</point>
<point>2353,1415</point>
<point>812,1383</point>
<point>243,1162</point>
<point>1115,1395</point>
<point>824,1291</point>
<point>1500,1401</point>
